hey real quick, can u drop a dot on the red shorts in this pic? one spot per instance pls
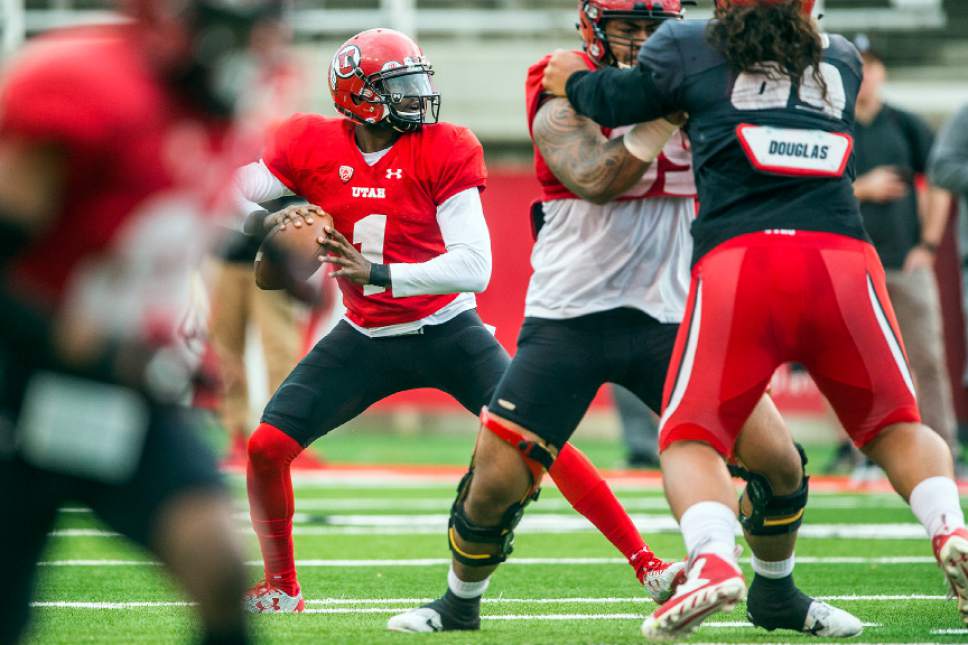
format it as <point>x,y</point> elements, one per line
<point>763,299</point>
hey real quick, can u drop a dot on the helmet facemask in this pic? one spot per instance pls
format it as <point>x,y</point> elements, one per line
<point>596,16</point>
<point>408,95</point>
<point>627,45</point>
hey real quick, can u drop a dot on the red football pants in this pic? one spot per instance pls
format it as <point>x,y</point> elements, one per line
<point>763,299</point>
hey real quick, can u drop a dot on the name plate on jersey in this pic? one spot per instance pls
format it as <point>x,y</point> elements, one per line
<point>795,153</point>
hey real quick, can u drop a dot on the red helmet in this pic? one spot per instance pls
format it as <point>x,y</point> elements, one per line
<point>592,15</point>
<point>382,74</point>
<point>807,4</point>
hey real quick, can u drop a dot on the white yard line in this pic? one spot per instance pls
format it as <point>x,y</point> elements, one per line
<point>949,631</point>
<point>544,523</point>
<point>391,610</point>
<point>385,604</point>
<point>589,601</point>
<point>427,562</point>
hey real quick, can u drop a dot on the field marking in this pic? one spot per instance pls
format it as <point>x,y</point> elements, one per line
<point>949,631</point>
<point>397,476</point>
<point>73,604</point>
<point>407,602</point>
<point>427,562</point>
<point>630,504</point>
<point>543,523</point>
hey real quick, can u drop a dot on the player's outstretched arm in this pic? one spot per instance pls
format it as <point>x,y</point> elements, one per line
<point>609,96</point>
<point>593,167</point>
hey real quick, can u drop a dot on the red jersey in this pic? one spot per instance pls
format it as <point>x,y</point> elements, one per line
<point>143,175</point>
<point>669,176</point>
<point>388,209</point>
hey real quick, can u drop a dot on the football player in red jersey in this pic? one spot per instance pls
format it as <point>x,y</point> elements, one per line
<point>113,156</point>
<point>783,271</point>
<point>409,246</point>
<point>626,197</point>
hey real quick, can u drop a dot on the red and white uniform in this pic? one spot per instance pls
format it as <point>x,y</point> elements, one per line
<point>146,176</point>
<point>415,206</point>
<point>763,299</point>
<point>632,252</point>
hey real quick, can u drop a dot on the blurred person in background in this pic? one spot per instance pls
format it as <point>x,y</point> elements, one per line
<point>604,304</point>
<point>906,225</point>
<point>948,168</point>
<point>238,306</point>
<point>116,154</point>
<point>640,429</point>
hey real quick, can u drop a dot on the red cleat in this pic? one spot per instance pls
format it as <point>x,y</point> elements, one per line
<point>712,584</point>
<point>951,550</point>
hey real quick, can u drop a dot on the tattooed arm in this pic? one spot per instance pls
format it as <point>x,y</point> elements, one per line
<point>593,167</point>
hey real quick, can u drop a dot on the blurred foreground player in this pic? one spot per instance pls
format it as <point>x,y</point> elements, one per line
<point>112,155</point>
<point>406,189</point>
<point>611,275</point>
<point>784,272</point>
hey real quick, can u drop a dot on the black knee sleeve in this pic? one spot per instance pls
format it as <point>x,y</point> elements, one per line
<point>771,514</point>
<point>502,535</point>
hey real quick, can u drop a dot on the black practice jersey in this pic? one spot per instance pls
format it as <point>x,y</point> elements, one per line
<point>768,153</point>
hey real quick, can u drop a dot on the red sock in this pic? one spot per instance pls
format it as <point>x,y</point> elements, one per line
<point>271,502</point>
<point>585,489</point>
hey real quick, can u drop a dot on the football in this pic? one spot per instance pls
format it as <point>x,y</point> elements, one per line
<point>300,249</point>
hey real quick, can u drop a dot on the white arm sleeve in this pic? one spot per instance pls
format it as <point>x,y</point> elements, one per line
<point>466,265</point>
<point>255,184</point>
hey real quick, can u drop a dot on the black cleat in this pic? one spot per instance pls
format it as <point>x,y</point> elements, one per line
<point>447,613</point>
<point>779,604</point>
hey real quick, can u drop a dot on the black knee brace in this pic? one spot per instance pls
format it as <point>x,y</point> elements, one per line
<point>502,534</point>
<point>771,514</point>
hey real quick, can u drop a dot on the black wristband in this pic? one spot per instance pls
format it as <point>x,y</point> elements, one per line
<point>931,247</point>
<point>380,275</point>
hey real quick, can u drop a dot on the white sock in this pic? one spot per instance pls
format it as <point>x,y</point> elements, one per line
<point>466,590</point>
<point>936,504</point>
<point>710,527</point>
<point>774,570</point>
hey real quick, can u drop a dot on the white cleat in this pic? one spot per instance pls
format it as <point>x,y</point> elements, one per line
<point>661,582</point>
<point>951,550</point>
<point>266,599</point>
<point>830,622</point>
<point>712,585</point>
<point>421,620</point>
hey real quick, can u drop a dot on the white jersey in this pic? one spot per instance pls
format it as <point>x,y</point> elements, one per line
<point>633,252</point>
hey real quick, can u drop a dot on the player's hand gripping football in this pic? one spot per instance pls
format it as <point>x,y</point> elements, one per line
<point>350,262</point>
<point>295,216</point>
<point>562,65</point>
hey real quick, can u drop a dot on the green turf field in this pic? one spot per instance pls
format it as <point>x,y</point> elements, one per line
<point>372,546</point>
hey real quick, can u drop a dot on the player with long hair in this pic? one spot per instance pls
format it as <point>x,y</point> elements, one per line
<point>783,271</point>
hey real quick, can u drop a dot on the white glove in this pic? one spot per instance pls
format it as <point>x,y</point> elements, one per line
<point>646,140</point>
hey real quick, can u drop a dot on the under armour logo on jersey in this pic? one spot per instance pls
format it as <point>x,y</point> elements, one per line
<point>345,173</point>
<point>394,174</point>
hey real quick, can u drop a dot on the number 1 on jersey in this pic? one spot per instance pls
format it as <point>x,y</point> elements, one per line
<point>370,234</point>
